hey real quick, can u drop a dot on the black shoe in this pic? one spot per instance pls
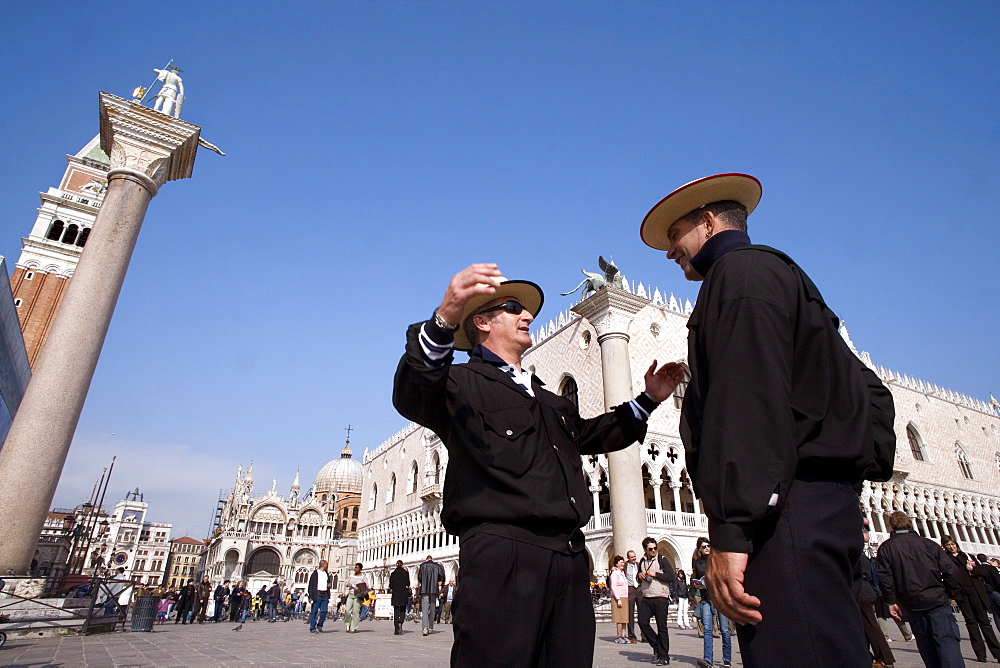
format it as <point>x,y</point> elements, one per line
<point>702,663</point>
<point>663,661</point>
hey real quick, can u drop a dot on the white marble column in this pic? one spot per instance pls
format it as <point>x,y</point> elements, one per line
<point>595,491</point>
<point>657,502</point>
<point>147,148</point>
<point>610,311</point>
<point>675,487</point>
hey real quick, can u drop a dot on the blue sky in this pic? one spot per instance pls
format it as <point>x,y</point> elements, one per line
<point>374,149</point>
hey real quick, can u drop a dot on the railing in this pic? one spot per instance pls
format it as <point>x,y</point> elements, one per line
<point>655,518</point>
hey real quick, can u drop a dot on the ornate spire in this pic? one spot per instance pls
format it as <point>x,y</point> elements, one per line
<point>295,485</point>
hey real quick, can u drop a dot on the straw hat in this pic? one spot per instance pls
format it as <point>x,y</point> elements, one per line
<point>741,188</point>
<point>527,293</point>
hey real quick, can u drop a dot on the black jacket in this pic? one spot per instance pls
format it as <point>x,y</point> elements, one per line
<point>915,572</point>
<point>514,461</point>
<point>972,582</point>
<point>314,584</point>
<point>775,392</point>
<point>430,576</point>
<point>399,586</point>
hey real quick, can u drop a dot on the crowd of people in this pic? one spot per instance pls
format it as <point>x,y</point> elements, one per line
<point>912,581</point>
<point>206,602</point>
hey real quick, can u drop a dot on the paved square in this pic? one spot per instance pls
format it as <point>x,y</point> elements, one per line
<point>290,643</point>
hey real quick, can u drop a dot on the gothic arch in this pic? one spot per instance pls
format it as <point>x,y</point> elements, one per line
<point>264,559</point>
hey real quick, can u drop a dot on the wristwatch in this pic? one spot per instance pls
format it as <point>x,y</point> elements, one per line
<point>442,323</point>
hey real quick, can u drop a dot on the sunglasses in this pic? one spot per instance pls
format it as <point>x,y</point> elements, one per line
<point>510,306</point>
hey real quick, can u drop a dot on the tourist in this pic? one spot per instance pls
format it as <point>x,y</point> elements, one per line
<point>708,613</point>
<point>619,599</point>
<point>656,577</point>
<point>319,592</point>
<point>682,594</point>
<point>399,589</point>
<point>917,579</point>
<point>357,591</point>
<point>975,603</point>
<point>430,576</point>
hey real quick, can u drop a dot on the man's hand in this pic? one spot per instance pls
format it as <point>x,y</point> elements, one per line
<point>476,279</point>
<point>660,384</point>
<point>724,577</point>
<point>896,612</point>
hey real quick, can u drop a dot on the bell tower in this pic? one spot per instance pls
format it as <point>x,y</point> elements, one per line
<point>50,253</point>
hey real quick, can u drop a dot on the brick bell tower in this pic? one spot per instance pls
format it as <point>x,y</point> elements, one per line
<point>50,253</point>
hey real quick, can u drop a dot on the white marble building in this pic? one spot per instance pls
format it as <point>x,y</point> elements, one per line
<point>947,469</point>
<point>267,537</point>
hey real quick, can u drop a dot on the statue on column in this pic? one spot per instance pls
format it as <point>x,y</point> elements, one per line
<point>593,282</point>
<point>170,99</point>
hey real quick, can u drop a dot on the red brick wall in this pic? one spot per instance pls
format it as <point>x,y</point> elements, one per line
<point>40,299</point>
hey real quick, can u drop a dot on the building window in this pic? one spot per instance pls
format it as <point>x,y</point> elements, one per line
<point>391,492</point>
<point>436,463</point>
<point>916,447</point>
<point>28,275</point>
<point>69,236</point>
<point>374,497</point>
<point>82,239</point>
<point>411,482</point>
<point>17,303</point>
<point>963,462</point>
<point>55,231</point>
<point>569,389</point>
<point>354,513</point>
<point>354,526</point>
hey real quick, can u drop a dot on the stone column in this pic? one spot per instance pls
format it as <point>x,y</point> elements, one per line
<point>610,311</point>
<point>147,148</point>
<point>595,492</point>
<point>675,487</point>
<point>657,502</point>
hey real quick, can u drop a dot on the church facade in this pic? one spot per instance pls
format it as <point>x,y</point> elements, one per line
<point>946,473</point>
<point>260,539</point>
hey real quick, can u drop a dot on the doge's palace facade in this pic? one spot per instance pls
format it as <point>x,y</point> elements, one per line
<point>946,473</point>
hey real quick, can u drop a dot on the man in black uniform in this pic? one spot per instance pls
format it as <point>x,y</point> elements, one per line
<point>918,576</point>
<point>779,420</point>
<point>514,492</point>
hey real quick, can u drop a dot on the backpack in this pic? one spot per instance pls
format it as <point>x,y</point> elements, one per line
<point>882,449</point>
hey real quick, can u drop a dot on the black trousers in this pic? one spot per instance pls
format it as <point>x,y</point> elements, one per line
<point>803,570</point>
<point>521,605</point>
<point>977,621</point>
<point>873,632</point>
<point>655,606</point>
<point>398,616</point>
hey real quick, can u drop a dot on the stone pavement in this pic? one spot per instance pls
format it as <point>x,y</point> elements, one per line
<point>290,643</point>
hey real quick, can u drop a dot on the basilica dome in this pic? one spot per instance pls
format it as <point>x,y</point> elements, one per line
<point>341,475</point>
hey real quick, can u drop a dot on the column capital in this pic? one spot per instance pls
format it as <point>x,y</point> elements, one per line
<point>610,311</point>
<point>150,143</point>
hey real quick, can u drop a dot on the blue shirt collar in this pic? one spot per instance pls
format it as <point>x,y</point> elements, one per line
<point>716,246</point>
<point>487,355</point>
